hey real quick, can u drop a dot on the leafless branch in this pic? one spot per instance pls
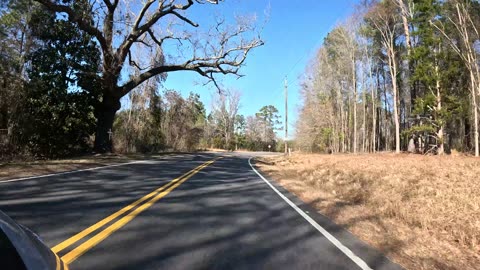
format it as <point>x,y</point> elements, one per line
<point>222,50</point>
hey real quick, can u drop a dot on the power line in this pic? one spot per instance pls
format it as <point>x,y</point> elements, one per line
<point>308,52</point>
<point>295,65</point>
<point>280,89</point>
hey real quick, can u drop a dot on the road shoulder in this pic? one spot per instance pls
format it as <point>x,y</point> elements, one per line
<point>43,168</point>
<point>372,257</point>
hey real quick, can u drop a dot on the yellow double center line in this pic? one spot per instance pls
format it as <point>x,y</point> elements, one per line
<point>60,265</point>
<point>150,199</point>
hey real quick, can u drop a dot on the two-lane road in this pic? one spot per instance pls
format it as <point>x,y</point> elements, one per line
<point>196,211</point>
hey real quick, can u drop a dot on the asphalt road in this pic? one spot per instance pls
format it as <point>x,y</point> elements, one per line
<point>220,215</point>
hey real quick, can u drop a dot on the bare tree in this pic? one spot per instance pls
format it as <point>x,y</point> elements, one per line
<point>225,110</point>
<point>337,72</point>
<point>406,12</point>
<point>155,25</point>
<point>349,33</point>
<point>373,96</point>
<point>385,20</point>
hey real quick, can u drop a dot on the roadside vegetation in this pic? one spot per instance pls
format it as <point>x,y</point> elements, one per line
<point>23,168</point>
<point>67,88</point>
<point>421,211</point>
<point>167,121</point>
<point>397,75</point>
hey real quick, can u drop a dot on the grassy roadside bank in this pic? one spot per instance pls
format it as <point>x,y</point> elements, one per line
<point>421,211</point>
<point>17,169</point>
<point>23,168</point>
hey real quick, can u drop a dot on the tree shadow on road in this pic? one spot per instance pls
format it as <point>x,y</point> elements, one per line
<point>224,217</point>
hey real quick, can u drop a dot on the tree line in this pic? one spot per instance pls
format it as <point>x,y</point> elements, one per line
<point>157,120</point>
<point>396,75</point>
<point>67,64</point>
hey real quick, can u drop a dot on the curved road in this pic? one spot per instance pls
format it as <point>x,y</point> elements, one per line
<point>191,211</point>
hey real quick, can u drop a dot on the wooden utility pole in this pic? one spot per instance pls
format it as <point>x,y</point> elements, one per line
<point>286,116</point>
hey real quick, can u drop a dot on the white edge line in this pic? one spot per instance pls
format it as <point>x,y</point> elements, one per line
<point>68,172</point>
<point>357,260</point>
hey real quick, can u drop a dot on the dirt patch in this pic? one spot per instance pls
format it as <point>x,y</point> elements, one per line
<point>19,169</point>
<point>423,212</point>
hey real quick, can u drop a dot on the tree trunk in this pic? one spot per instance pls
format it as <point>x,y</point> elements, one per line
<point>393,73</point>
<point>405,11</point>
<point>476,130</point>
<point>364,103</point>
<point>105,113</point>
<point>386,126</point>
<point>475,113</point>
<point>475,102</point>
<point>441,147</point>
<point>374,110</point>
<point>441,143</point>
<point>348,122</point>
<point>354,81</point>
<point>342,129</point>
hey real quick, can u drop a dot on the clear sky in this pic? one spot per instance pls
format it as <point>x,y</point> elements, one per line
<point>292,33</point>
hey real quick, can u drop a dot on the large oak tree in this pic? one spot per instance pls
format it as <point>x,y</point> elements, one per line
<point>123,28</point>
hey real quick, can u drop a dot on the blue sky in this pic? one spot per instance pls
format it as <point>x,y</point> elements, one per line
<point>292,33</point>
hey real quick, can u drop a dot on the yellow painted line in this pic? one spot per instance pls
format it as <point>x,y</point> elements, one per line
<point>90,243</point>
<point>65,266</point>
<point>61,246</point>
<point>57,262</point>
<point>70,241</point>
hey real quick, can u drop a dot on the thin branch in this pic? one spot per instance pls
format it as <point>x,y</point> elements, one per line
<point>138,30</point>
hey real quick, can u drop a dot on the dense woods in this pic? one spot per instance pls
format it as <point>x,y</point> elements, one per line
<point>397,75</point>
<point>77,75</point>
<point>155,120</point>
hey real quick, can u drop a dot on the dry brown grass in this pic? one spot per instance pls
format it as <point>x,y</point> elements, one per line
<point>421,211</point>
<point>9,170</point>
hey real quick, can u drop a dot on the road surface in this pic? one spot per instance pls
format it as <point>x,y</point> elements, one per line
<point>190,211</point>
